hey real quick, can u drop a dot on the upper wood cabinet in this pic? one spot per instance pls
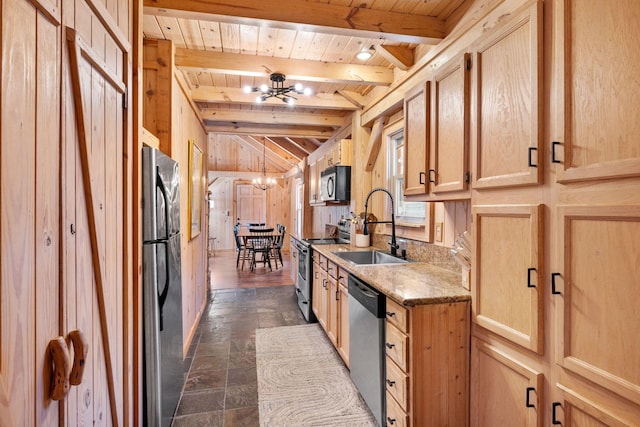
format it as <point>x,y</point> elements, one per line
<point>340,153</point>
<point>416,134</point>
<point>448,169</point>
<point>599,108</point>
<point>507,126</point>
<point>507,287</point>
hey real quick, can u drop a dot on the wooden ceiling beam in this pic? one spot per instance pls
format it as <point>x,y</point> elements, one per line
<point>229,95</point>
<point>400,56</point>
<point>289,146</point>
<point>294,69</point>
<point>272,117</point>
<point>275,153</point>
<point>306,144</point>
<point>302,132</point>
<point>314,17</point>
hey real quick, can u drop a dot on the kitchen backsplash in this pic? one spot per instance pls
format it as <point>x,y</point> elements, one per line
<point>420,251</point>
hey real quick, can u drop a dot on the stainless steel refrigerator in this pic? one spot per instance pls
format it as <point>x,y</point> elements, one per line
<point>162,287</point>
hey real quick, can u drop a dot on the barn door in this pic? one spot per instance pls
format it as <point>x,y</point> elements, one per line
<point>97,293</point>
<point>29,209</point>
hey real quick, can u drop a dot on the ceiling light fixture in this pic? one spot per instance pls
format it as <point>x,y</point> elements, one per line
<point>365,53</point>
<point>263,183</point>
<point>278,90</point>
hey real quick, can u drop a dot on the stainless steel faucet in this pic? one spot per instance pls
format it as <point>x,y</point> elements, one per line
<point>392,243</point>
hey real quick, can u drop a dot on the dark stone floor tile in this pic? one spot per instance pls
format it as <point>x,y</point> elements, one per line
<point>209,363</point>
<point>272,323</point>
<point>241,396</point>
<point>214,348</point>
<point>242,376</point>
<point>242,360</point>
<point>216,336</point>
<point>206,379</point>
<point>201,401</point>
<point>209,419</point>
<point>243,333</point>
<point>242,345</point>
<point>242,417</point>
<point>244,325</point>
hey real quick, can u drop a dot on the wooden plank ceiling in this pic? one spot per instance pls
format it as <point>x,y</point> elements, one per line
<point>224,45</point>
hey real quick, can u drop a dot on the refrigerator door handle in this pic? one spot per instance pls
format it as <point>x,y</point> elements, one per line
<point>163,190</point>
<point>162,296</point>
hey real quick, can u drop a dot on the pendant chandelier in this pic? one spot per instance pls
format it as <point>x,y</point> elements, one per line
<point>278,90</point>
<point>263,183</point>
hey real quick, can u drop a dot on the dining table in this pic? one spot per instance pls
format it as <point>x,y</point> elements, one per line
<point>246,235</point>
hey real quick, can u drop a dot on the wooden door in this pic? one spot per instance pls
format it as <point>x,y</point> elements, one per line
<point>252,204</point>
<point>30,230</point>
<point>450,127</point>
<point>507,122</point>
<point>507,286</point>
<point>504,391</point>
<point>596,287</point>
<point>598,119</point>
<point>416,140</point>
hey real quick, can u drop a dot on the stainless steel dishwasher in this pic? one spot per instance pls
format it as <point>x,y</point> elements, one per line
<point>366,344</point>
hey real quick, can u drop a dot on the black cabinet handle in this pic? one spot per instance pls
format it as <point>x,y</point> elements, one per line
<point>553,283</point>
<point>554,144</point>
<point>391,383</point>
<point>391,421</point>
<point>432,175</point>
<point>531,164</point>
<point>390,314</point>
<point>324,283</point>
<point>529,284</point>
<point>421,178</point>
<point>554,418</point>
<point>389,345</point>
<point>529,404</point>
<point>338,295</point>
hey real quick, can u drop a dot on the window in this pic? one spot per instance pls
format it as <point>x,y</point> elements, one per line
<point>406,212</point>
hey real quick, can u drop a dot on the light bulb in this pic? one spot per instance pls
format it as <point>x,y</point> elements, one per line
<point>248,89</point>
<point>264,88</point>
<point>298,87</point>
<point>307,91</point>
<point>364,54</point>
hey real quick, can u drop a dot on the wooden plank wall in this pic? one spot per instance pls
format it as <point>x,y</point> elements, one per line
<point>185,127</point>
<point>46,282</point>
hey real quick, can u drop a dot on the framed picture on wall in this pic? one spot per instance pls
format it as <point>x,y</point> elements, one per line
<point>196,193</point>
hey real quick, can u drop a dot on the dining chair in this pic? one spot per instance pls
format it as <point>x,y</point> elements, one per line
<point>278,241</point>
<point>260,242</point>
<point>243,254</point>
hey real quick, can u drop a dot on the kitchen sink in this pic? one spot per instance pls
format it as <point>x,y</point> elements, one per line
<point>369,257</point>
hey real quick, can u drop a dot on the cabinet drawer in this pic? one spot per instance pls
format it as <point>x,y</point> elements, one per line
<point>397,384</point>
<point>397,315</point>
<point>396,346</point>
<point>332,269</point>
<point>396,417</point>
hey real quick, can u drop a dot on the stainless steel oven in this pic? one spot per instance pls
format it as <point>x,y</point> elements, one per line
<point>304,282</point>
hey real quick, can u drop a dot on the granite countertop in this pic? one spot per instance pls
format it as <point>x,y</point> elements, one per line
<point>409,284</point>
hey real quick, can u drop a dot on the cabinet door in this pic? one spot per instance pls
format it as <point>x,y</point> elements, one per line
<point>597,282</point>
<point>313,182</point>
<point>507,287</point>
<point>416,140</point>
<point>332,309</point>
<point>504,392</point>
<point>599,120</point>
<point>450,127</point>
<point>316,296</point>
<point>588,410</point>
<point>343,323</point>
<point>508,103</point>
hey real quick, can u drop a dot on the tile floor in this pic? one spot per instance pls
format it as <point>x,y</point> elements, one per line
<point>221,386</point>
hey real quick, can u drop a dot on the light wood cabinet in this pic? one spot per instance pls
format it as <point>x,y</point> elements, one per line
<point>343,320</point>
<point>584,286</point>
<point>504,391</point>
<point>507,281</point>
<point>507,87</point>
<point>340,153</point>
<point>427,359</point>
<point>314,182</point>
<point>416,134</point>
<point>449,154</point>
<point>331,295</point>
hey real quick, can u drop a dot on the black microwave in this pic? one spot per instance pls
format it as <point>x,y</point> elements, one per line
<point>335,184</point>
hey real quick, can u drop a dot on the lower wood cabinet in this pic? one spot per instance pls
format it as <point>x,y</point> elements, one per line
<point>504,391</point>
<point>343,319</point>
<point>427,364</point>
